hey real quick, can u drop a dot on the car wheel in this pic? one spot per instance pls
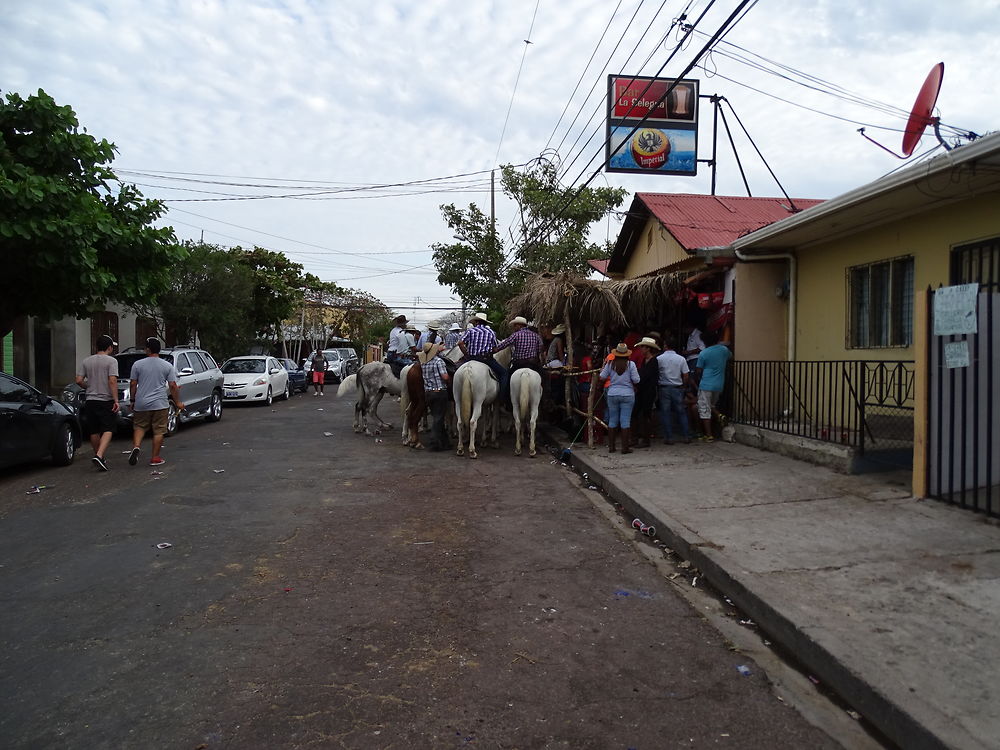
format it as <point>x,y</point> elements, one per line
<point>215,408</point>
<point>269,399</point>
<point>64,447</point>
<point>173,419</point>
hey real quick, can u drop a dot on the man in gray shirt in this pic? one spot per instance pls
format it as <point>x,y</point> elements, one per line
<point>99,374</point>
<point>150,379</point>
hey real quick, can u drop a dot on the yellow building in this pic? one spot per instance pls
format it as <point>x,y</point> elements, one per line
<point>850,277</point>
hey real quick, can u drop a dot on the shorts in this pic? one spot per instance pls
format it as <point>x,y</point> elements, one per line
<point>706,402</point>
<point>98,417</point>
<point>155,420</point>
<point>318,378</point>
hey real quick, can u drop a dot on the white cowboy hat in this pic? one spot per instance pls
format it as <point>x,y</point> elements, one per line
<point>455,327</point>
<point>428,353</point>
<point>518,321</point>
<point>558,329</point>
<point>479,316</point>
<point>648,341</point>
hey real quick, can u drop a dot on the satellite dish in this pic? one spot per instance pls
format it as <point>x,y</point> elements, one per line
<point>920,114</point>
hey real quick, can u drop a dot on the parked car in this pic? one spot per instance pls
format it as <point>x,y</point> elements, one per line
<point>199,380</point>
<point>340,363</point>
<point>255,378</point>
<point>296,375</point>
<point>34,426</point>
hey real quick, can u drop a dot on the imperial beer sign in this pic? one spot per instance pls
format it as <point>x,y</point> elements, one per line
<point>666,141</point>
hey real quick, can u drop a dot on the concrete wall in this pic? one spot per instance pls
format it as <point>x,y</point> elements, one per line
<point>654,249</point>
<point>928,237</point>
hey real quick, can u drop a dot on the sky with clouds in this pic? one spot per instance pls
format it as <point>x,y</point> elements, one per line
<point>314,97</point>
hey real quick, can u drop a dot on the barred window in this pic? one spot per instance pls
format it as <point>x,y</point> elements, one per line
<point>977,262</point>
<point>881,304</point>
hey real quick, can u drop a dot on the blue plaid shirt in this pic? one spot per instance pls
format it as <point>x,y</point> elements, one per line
<point>432,370</point>
<point>527,344</point>
<point>480,340</point>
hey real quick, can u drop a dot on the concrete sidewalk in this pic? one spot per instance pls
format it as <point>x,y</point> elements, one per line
<point>890,601</point>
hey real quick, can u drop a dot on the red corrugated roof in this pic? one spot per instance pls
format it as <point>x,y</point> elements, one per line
<point>711,220</point>
<point>601,266</point>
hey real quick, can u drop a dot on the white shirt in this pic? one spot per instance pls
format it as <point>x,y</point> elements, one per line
<point>410,343</point>
<point>672,366</point>
<point>694,342</point>
<point>397,341</point>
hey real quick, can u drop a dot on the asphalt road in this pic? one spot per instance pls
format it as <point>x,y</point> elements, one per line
<point>339,592</point>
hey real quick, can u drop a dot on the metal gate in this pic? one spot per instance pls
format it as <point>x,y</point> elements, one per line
<point>963,455</point>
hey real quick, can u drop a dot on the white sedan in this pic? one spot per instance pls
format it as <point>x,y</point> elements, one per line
<point>259,379</point>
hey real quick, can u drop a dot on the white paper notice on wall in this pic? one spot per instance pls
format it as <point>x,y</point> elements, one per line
<point>955,309</point>
<point>956,354</point>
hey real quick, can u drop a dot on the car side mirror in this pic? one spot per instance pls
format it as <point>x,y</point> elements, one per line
<point>275,370</point>
<point>186,371</point>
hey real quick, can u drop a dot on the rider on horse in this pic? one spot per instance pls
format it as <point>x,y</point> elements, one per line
<point>399,352</point>
<point>479,344</point>
<point>528,346</point>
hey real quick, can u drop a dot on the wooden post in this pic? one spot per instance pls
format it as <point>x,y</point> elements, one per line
<point>921,390</point>
<point>569,360</point>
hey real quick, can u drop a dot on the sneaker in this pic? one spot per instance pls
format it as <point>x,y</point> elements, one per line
<point>99,463</point>
<point>158,461</point>
<point>133,457</point>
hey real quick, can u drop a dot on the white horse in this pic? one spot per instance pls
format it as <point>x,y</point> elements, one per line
<point>373,381</point>
<point>476,393</point>
<point>525,395</point>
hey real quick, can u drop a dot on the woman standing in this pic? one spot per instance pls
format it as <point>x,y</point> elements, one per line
<point>624,377</point>
<point>645,394</point>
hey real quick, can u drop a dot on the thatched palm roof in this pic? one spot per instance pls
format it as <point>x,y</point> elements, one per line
<point>547,296</point>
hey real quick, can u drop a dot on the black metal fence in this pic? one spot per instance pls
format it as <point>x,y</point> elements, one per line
<point>963,455</point>
<point>866,404</point>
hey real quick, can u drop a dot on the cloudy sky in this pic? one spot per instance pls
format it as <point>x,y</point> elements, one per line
<point>309,98</point>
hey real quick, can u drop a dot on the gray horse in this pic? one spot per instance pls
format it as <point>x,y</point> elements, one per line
<point>372,381</point>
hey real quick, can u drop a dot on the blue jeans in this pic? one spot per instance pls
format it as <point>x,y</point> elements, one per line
<point>671,403</point>
<point>620,411</point>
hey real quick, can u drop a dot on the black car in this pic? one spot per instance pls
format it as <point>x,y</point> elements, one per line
<point>34,426</point>
<point>296,375</point>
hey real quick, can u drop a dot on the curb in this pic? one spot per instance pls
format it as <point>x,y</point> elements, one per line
<point>894,721</point>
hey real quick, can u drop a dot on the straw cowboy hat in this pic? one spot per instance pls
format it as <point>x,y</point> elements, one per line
<point>648,341</point>
<point>479,316</point>
<point>455,327</point>
<point>518,321</point>
<point>433,325</point>
<point>621,351</point>
<point>558,329</point>
<point>428,353</point>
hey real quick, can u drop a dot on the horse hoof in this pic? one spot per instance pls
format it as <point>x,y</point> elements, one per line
<point>517,453</point>
<point>473,455</point>
<point>532,454</point>
<point>459,452</point>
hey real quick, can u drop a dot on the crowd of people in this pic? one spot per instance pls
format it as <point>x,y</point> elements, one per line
<point>640,375</point>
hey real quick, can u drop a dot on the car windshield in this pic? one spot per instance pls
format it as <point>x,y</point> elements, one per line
<point>246,366</point>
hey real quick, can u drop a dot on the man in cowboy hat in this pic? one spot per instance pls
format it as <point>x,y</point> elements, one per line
<point>454,334</point>
<point>646,391</point>
<point>479,343</point>
<point>431,335</point>
<point>435,375</point>
<point>400,349</point>
<point>527,345</point>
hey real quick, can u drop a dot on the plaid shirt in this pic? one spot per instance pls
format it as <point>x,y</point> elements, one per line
<point>480,340</point>
<point>432,370</point>
<point>527,344</point>
<point>451,339</point>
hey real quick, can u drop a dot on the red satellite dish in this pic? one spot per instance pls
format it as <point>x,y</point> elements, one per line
<point>920,114</point>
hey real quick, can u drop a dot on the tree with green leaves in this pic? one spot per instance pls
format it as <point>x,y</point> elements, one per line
<point>277,287</point>
<point>73,236</point>
<point>555,222</point>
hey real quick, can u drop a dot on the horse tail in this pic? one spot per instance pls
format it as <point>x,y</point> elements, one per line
<point>466,397</point>
<point>347,385</point>
<point>524,402</point>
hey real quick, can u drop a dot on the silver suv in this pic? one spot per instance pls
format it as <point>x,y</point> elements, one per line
<point>199,380</point>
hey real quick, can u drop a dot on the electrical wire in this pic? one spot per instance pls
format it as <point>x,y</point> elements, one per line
<point>524,54</point>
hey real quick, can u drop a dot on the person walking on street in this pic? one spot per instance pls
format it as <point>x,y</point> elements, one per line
<point>319,365</point>
<point>645,394</point>
<point>99,374</point>
<point>435,376</point>
<point>673,381</point>
<point>150,380</point>
<point>624,377</point>
<point>712,363</point>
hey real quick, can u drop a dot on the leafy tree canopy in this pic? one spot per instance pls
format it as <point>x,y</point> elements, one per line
<point>555,222</point>
<point>73,236</point>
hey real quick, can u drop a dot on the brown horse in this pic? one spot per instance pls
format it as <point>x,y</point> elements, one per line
<point>416,407</point>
